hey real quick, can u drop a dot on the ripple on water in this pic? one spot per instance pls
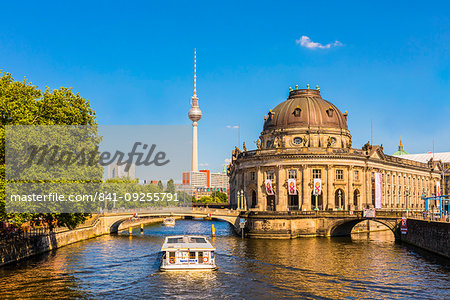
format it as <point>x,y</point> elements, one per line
<point>363,266</point>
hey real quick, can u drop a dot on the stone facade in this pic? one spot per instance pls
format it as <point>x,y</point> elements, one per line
<point>306,137</point>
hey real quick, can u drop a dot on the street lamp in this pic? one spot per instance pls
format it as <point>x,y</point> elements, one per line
<point>407,194</point>
<point>317,196</point>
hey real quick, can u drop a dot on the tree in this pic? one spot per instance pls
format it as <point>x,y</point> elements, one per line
<point>160,186</point>
<point>219,197</point>
<point>170,187</point>
<point>22,103</point>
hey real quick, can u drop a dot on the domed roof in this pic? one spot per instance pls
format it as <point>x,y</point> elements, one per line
<point>305,108</point>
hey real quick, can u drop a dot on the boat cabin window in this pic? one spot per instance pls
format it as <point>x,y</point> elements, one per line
<point>172,254</point>
<point>198,240</point>
<point>200,257</point>
<point>191,255</point>
<point>174,240</point>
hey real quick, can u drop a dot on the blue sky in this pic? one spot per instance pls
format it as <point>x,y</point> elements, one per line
<point>388,62</point>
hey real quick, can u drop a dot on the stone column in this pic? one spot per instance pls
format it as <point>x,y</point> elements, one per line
<point>364,185</point>
<point>306,195</point>
<point>261,205</point>
<point>383,189</point>
<point>349,197</point>
<point>300,187</point>
<point>330,195</point>
<point>281,189</point>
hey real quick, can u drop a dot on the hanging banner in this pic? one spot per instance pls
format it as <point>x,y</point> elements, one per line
<point>269,188</point>
<point>292,186</point>
<point>438,193</point>
<point>317,186</point>
<point>377,190</point>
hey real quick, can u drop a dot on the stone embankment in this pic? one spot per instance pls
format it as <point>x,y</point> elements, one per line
<point>432,236</point>
<point>20,248</point>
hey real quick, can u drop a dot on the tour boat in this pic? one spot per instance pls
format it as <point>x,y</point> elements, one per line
<point>186,253</point>
<point>169,221</point>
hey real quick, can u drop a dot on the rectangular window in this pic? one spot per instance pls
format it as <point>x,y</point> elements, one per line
<point>270,175</point>
<point>317,173</point>
<point>252,176</point>
<point>339,174</point>
<point>356,173</point>
<point>292,174</point>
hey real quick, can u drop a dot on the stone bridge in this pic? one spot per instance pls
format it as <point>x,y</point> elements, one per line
<point>264,224</point>
<point>311,223</point>
<point>113,221</point>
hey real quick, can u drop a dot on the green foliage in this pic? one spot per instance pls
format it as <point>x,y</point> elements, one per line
<point>170,186</point>
<point>160,185</point>
<point>205,199</point>
<point>219,197</point>
<point>22,103</point>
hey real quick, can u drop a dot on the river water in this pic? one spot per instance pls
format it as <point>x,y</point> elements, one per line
<point>119,266</point>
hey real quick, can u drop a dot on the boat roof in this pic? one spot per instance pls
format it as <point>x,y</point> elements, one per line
<point>184,242</point>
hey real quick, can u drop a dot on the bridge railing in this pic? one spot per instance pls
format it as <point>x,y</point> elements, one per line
<point>328,214</point>
<point>140,210</point>
<point>435,217</point>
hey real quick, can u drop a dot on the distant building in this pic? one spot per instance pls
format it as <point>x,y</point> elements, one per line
<point>146,181</point>
<point>195,179</point>
<point>444,157</point>
<point>118,171</point>
<point>204,183</point>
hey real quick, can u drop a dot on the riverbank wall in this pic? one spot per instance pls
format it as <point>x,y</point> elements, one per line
<point>22,248</point>
<point>432,236</point>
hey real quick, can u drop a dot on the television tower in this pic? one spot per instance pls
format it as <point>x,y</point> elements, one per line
<point>195,114</point>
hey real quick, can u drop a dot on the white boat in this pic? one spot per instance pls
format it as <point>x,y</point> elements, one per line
<point>186,253</point>
<point>169,221</point>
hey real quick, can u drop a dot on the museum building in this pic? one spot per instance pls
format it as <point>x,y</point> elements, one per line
<point>305,161</point>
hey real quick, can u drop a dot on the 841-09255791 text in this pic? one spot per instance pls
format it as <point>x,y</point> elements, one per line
<point>97,196</point>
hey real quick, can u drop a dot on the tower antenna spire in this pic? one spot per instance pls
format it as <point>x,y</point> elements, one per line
<point>195,72</point>
<point>195,114</point>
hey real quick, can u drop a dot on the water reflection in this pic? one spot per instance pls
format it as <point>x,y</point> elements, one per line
<point>363,266</point>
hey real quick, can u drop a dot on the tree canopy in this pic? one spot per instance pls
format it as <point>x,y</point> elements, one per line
<point>22,103</point>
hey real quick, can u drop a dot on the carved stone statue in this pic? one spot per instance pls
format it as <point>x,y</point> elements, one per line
<point>329,141</point>
<point>349,144</point>
<point>235,152</point>
<point>258,144</point>
<point>305,141</point>
<point>244,147</point>
<point>277,143</point>
<point>367,146</point>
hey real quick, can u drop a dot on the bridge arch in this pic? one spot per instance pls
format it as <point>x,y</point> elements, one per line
<point>113,223</point>
<point>344,227</point>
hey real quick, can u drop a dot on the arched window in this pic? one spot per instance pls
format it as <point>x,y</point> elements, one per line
<point>271,202</point>
<point>317,204</point>
<point>339,199</point>
<point>356,198</point>
<point>293,202</point>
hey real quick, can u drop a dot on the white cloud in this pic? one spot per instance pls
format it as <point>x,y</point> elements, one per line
<point>227,160</point>
<point>306,42</point>
<point>203,164</point>
<point>233,127</point>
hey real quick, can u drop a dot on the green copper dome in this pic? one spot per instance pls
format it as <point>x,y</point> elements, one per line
<point>400,151</point>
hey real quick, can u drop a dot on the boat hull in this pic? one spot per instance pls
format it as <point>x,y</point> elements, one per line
<point>190,268</point>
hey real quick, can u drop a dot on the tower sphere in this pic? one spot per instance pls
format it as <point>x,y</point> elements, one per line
<point>195,114</point>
